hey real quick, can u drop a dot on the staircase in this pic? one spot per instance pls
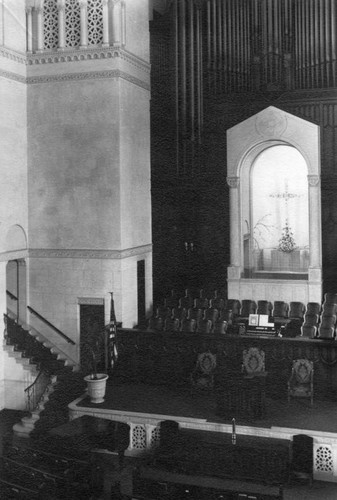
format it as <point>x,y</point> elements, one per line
<point>64,385</point>
<point>41,465</point>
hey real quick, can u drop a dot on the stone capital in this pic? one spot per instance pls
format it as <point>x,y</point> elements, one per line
<point>233,182</point>
<point>313,180</point>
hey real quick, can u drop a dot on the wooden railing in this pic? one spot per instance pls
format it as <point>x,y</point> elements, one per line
<point>11,295</point>
<point>48,323</point>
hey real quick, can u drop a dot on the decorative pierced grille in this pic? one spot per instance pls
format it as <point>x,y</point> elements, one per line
<point>73,23</point>
<point>323,459</point>
<point>95,22</point>
<point>155,436</point>
<point>139,437</point>
<point>50,24</point>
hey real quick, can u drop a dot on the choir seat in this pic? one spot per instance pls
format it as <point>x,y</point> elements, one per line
<point>301,381</point>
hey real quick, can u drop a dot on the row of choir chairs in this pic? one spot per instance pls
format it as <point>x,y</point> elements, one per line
<point>214,313</point>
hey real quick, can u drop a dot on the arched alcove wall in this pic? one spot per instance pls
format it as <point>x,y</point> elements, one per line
<point>245,142</point>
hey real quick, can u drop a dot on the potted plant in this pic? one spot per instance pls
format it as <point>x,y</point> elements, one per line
<point>96,381</point>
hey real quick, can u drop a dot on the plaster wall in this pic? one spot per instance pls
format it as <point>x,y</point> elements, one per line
<point>13,158</point>
<point>74,178</point>
<point>14,22</point>
<point>135,166</point>
<point>56,284</point>
<point>137,21</point>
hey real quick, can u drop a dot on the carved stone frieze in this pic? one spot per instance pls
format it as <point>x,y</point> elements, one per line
<point>90,75</point>
<point>88,254</point>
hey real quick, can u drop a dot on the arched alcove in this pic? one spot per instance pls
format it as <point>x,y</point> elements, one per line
<point>274,176</point>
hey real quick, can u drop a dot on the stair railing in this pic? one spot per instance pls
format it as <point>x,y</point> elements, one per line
<point>35,391</point>
<point>42,318</point>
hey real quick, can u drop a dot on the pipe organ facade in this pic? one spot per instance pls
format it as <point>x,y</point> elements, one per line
<point>229,60</point>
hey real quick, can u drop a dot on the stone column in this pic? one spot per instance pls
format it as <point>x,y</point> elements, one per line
<point>235,236</point>
<point>123,23</point>
<point>314,222</point>
<point>116,22</point>
<point>40,34</point>
<point>29,21</point>
<point>84,24</point>
<point>61,24</point>
<point>106,38</point>
<point>2,22</point>
<point>22,291</point>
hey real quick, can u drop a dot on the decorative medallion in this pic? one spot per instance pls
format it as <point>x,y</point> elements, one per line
<point>270,123</point>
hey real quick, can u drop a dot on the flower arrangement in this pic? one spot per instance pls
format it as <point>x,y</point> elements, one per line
<point>286,242</point>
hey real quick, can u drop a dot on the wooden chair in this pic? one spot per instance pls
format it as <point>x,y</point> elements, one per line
<point>202,376</point>
<point>163,311</point>
<point>220,327</point>
<point>301,381</point>
<point>253,384</point>
<point>329,309</point>
<point>310,326</point>
<point>156,323</point>
<point>327,327</point>
<point>280,313</point>
<point>247,307</point>
<point>171,324</point>
<point>313,308</point>
<point>218,303</point>
<point>179,312</point>
<point>264,307</point>
<point>204,326</point>
<point>234,305</point>
<point>211,313</point>
<point>195,313</point>
<point>201,302</point>
<point>188,325</point>
<point>253,362</point>
<point>186,301</point>
<point>330,298</point>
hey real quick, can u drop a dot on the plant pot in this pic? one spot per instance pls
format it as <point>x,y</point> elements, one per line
<point>96,387</point>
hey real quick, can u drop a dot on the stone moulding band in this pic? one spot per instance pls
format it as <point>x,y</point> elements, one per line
<point>46,253</point>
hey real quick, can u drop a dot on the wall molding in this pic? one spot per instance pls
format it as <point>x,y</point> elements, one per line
<point>91,301</point>
<point>89,75</point>
<point>52,253</point>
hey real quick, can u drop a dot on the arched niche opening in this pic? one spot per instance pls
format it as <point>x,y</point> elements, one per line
<point>275,215</point>
<point>274,177</point>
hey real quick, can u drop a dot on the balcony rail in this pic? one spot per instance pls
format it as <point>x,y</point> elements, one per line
<point>64,25</point>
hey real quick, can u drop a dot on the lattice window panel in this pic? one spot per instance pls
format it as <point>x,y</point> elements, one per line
<point>95,22</point>
<point>324,459</point>
<point>50,24</point>
<point>139,437</point>
<point>73,23</point>
<point>155,436</point>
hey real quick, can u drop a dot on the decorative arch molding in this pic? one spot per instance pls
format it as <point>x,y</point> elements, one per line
<point>245,142</point>
<point>16,238</point>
